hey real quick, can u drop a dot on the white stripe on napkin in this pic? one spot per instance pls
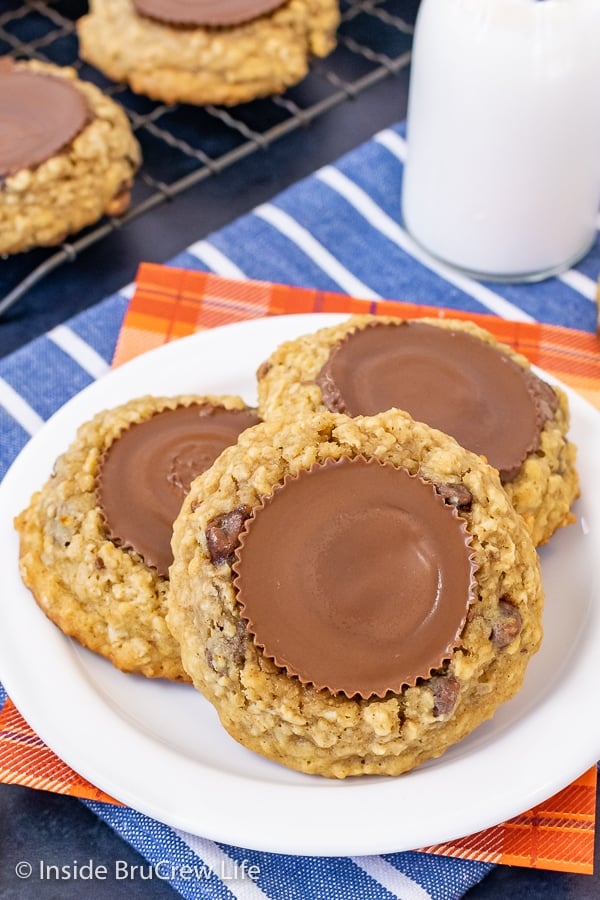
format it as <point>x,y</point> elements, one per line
<point>388,227</point>
<point>319,254</point>
<point>393,142</point>
<point>217,261</point>
<point>223,866</point>
<point>580,283</point>
<point>19,409</point>
<point>396,882</point>
<point>75,347</point>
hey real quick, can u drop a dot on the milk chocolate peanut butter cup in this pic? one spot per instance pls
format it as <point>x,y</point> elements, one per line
<point>39,115</point>
<point>373,578</point>
<point>147,471</point>
<point>375,597</point>
<point>205,12</point>
<point>449,379</point>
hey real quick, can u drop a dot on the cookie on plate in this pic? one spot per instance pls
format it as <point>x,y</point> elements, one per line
<point>451,374</point>
<point>95,540</point>
<point>207,51</point>
<point>353,595</point>
<point>67,155</point>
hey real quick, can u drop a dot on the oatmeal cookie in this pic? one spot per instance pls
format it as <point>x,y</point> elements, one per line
<point>453,375</point>
<point>67,157</point>
<point>352,595</point>
<point>207,52</point>
<point>95,540</point>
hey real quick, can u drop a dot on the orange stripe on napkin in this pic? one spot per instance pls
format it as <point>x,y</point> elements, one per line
<point>170,303</point>
<point>558,834</point>
<point>26,760</point>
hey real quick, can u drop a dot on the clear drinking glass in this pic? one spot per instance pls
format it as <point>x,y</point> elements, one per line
<point>502,177</point>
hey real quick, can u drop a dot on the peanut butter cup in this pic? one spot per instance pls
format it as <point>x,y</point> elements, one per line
<point>147,471</point>
<point>373,579</point>
<point>39,115</point>
<point>205,12</point>
<point>448,379</point>
<point>354,595</point>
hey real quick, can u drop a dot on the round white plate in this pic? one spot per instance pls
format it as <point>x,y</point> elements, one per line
<point>159,747</point>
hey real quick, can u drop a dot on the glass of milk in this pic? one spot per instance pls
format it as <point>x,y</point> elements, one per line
<point>502,176</point>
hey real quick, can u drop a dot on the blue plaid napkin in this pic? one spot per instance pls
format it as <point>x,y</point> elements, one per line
<point>338,230</point>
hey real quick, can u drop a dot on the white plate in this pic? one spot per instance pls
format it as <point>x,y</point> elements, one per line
<point>159,747</point>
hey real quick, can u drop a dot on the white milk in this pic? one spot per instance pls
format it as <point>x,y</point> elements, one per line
<point>502,176</point>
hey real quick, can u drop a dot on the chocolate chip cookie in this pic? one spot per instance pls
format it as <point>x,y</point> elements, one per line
<point>205,51</point>
<point>67,155</point>
<point>451,374</point>
<point>354,595</point>
<point>95,540</point>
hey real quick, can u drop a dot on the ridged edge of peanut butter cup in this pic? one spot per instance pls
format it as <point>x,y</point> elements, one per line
<point>131,535</point>
<point>63,111</point>
<point>316,622</point>
<point>531,414</point>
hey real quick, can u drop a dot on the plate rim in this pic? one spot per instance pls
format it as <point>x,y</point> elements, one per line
<point>363,793</point>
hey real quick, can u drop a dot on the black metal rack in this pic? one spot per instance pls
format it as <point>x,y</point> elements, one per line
<point>182,145</point>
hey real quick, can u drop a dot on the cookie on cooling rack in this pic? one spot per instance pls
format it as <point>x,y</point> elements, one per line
<point>451,374</point>
<point>67,155</point>
<point>352,595</point>
<point>207,51</point>
<point>95,541</point>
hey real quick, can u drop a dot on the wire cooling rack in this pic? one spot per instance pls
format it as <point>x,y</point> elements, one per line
<point>181,144</point>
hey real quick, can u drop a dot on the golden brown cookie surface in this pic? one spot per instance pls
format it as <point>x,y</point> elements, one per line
<point>80,554</point>
<point>204,64</point>
<point>75,170</point>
